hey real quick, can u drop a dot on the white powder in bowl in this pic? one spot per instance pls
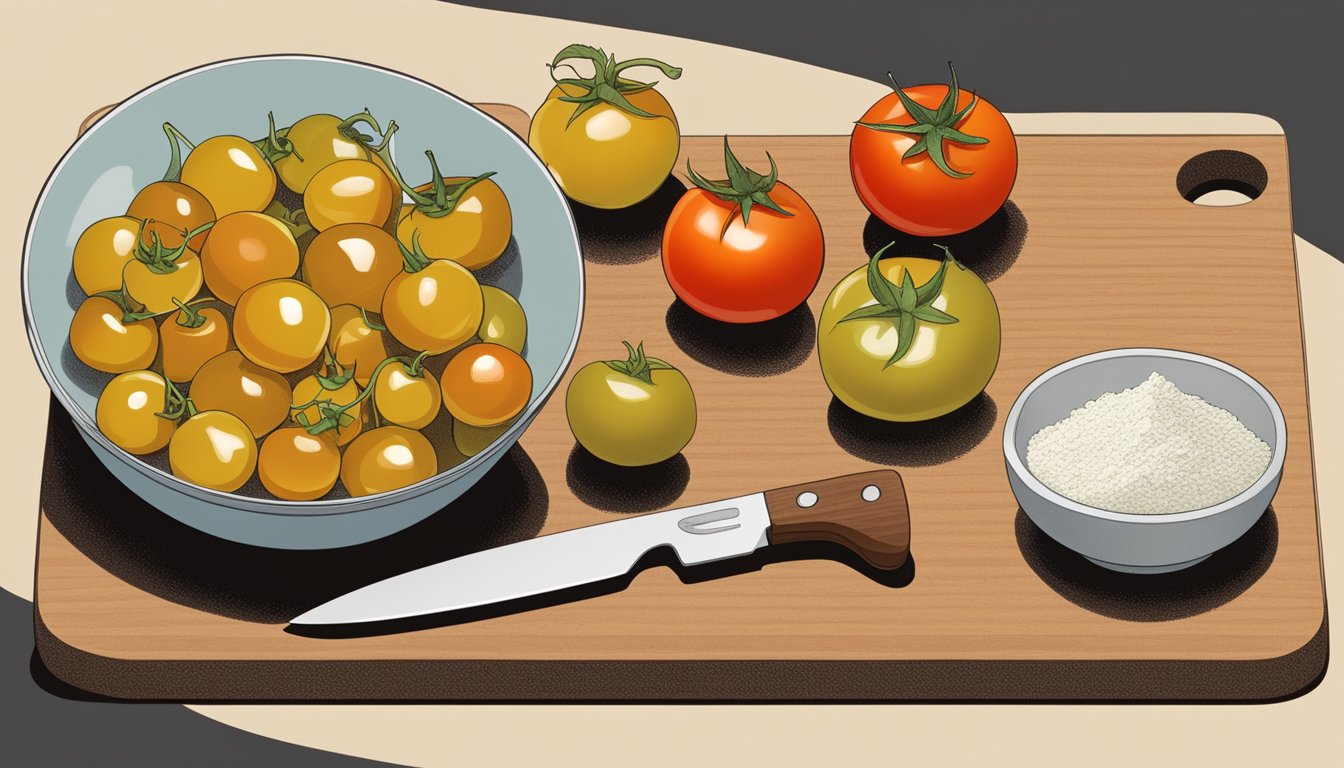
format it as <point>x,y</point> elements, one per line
<point>1148,450</point>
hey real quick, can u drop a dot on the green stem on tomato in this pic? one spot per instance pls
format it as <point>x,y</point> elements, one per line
<point>606,86</point>
<point>637,364</point>
<point>743,187</point>
<point>933,126</point>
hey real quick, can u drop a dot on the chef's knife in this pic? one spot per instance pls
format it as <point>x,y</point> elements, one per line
<point>865,512</point>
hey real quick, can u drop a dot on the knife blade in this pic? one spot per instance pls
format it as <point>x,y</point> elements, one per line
<point>866,512</point>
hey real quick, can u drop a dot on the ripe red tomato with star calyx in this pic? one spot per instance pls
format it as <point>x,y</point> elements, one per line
<point>933,160</point>
<point>745,249</point>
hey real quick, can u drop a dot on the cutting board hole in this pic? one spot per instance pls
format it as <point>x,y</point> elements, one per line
<point>1221,178</point>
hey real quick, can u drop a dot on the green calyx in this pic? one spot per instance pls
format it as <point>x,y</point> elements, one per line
<point>442,196</point>
<point>276,146</point>
<point>743,187</point>
<point>157,257</point>
<point>606,86</point>
<point>413,258</point>
<point>906,304</point>
<point>333,375</point>
<point>637,365</point>
<point>175,404</point>
<point>188,317</point>
<point>933,126</point>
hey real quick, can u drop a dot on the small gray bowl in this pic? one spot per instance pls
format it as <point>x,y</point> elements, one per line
<point>1141,543</point>
<point>126,149</point>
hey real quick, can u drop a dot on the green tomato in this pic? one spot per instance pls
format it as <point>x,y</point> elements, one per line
<point>502,321</point>
<point>631,412</point>
<point>945,365</point>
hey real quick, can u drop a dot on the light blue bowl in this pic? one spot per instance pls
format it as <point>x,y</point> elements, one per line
<point>126,149</point>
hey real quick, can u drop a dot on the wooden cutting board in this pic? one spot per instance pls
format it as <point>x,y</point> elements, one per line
<point>1097,249</point>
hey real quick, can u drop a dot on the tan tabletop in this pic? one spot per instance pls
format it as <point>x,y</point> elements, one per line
<point>492,56</point>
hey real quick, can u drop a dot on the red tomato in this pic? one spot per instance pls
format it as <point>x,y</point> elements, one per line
<point>742,269</point>
<point>912,193</point>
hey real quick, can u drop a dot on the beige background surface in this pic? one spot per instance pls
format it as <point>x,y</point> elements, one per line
<point>491,56</point>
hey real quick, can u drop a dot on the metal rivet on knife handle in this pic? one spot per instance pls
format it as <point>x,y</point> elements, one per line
<point>866,512</point>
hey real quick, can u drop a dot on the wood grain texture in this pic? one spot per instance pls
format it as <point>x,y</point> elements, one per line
<point>876,527</point>
<point>1108,255</point>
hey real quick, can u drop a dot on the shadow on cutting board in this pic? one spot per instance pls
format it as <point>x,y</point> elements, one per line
<point>744,349</point>
<point>1151,597</point>
<point>989,250</point>
<point>159,555</point>
<point>613,488</point>
<point>912,443</point>
<point>627,235</point>
<point>661,556</point>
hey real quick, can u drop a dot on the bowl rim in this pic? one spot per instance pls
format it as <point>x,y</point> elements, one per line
<point>1271,474</point>
<point>88,427</point>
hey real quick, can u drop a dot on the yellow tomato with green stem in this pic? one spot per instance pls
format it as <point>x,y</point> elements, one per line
<point>102,252</point>
<point>212,449</point>
<point>231,173</point>
<point>633,412</point>
<point>908,339</point>
<point>609,141</point>
<point>316,141</point>
<point>106,335</point>
<point>190,337</point>
<point>356,341</point>
<point>128,412</point>
<point>405,393</point>
<point>335,386</point>
<point>433,305</point>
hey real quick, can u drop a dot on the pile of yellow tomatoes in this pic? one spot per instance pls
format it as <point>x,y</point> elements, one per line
<point>290,309</point>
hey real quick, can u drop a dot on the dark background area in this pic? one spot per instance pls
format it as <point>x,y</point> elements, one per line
<point>1282,59</point>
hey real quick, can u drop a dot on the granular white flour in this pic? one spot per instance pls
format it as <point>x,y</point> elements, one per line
<point>1148,450</point>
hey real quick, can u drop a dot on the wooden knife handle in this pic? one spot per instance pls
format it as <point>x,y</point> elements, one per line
<point>866,512</point>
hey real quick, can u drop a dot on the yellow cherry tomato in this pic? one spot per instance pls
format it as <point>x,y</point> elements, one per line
<point>435,309</point>
<point>244,249</point>
<point>181,208</point>
<point>231,173</point>
<point>502,321</point>
<point>189,340</point>
<point>602,154</point>
<point>346,192</point>
<point>297,466</point>
<point>632,412</point>
<point>386,459</point>
<point>486,384</point>
<point>281,324</point>
<point>352,264</point>
<point>126,412</point>
<point>102,251</point>
<point>318,140</point>
<point>943,365</point>
<point>230,382</point>
<point>411,400</point>
<point>100,339</point>
<point>156,290</point>
<point>213,449</point>
<point>474,233</point>
<point>309,389</point>
<point>354,344</point>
